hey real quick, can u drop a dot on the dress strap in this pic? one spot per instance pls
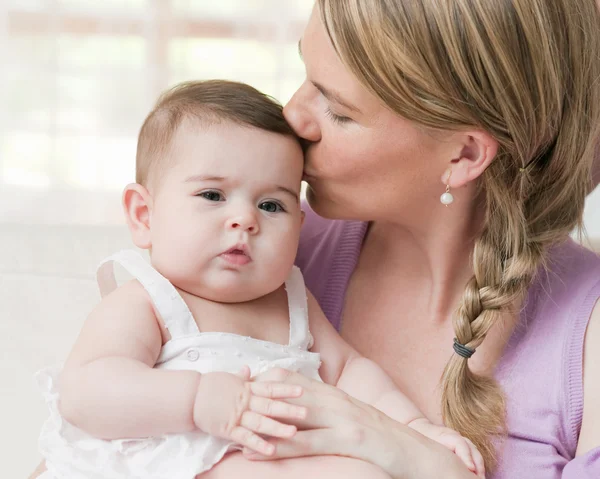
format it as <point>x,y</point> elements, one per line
<point>300,336</point>
<point>169,304</point>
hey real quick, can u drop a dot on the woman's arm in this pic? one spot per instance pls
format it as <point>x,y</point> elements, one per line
<point>589,437</point>
<point>338,424</point>
<point>587,461</point>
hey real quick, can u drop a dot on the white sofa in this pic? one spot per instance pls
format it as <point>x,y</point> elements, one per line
<point>47,287</point>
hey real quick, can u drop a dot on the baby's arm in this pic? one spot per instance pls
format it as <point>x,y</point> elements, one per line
<point>363,379</point>
<point>110,389</point>
<point>360,377</point>
<point>108,386</point>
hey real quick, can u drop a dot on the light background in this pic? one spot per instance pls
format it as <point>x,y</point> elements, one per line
<point>77,78</point>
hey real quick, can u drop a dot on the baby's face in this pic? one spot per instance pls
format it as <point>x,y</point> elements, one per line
<point>225,219</point>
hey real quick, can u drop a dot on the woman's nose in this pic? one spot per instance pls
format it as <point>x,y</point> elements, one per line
<point>246,221</point>
<point>298,115</point>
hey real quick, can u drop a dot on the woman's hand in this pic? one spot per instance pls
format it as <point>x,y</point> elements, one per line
<point>232,407</point>
<point>337,424</point>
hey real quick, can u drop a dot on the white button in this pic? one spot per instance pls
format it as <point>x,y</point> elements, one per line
<point>193,354</point>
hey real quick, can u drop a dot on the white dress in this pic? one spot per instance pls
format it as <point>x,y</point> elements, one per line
<point>71,453</point>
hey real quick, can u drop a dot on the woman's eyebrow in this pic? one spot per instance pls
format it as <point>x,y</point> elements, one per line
<point>335,97</point>
<point>331,95</point>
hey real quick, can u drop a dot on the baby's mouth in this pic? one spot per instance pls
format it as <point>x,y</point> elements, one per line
<point>238,255</point>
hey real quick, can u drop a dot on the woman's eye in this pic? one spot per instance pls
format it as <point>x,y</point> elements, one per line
<point>211,195</point>
<point>337,118</point>
<point>271,207</point>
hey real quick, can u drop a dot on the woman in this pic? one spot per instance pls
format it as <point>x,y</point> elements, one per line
<point>455,141</point>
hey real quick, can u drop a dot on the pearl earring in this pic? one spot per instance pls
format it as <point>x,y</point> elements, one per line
<point>447,198</point>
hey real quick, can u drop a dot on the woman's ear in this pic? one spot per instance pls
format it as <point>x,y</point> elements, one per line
<point>137,205</point>
<point>476,151</point>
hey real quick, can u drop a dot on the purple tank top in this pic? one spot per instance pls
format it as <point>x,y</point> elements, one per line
<point>541,368</point>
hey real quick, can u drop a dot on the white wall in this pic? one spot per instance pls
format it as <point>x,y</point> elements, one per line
<point>592,215</point>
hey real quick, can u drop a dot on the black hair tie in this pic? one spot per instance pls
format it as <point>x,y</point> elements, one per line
<point>462,350</point>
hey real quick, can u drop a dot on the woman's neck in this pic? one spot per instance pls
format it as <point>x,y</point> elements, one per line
<point>434,251</point>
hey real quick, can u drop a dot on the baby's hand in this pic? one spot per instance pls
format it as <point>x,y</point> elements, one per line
<point>461,446</point>
<point>232,407</point>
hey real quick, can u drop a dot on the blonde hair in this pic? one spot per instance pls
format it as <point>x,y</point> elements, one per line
<point>209,102</point>
<point>527,72</point>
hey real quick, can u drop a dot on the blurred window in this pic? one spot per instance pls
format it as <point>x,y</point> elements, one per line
<point>77,78</point>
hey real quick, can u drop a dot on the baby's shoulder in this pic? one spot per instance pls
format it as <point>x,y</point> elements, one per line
<point>129,306</point>
<point>128,298</point>
<point>130,291</point>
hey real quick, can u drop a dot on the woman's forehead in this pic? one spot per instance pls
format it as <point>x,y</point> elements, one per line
<point>326,71</point>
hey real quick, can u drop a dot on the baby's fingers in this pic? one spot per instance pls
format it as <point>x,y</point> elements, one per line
<point>463,451</point>
<point>477,459</point>
<point>276,409</point>
<point>252,441</point>
<point>275,390</point>
<point>459,445</point>
<point>266,426</point>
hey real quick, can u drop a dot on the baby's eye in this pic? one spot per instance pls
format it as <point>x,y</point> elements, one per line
<point>211,195</point>
<point>271,207</point>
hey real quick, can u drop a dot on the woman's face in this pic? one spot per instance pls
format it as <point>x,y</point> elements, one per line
<point>363,161</point>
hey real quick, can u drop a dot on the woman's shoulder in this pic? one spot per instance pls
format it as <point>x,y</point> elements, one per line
<point>564,294</point>
<point>541,371</point>
<point>572,259</point>
<point>572,273</point>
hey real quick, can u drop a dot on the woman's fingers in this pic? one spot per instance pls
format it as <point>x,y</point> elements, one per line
<point>252,441</point>
<point>266,426</point>
<point>275,390</point>
<point>276,409</point>
<point>276,375</point>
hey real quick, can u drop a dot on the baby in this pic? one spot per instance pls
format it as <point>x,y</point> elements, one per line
<point>158,384</point>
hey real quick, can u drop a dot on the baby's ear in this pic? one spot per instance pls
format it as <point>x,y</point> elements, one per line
<point>137,206</point>
<point>302,216</point>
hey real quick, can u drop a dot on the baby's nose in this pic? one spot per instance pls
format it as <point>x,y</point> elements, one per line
<point>244,222</point>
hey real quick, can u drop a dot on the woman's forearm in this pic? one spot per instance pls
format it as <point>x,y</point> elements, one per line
<point>340,425</point>
<point>426,458</point>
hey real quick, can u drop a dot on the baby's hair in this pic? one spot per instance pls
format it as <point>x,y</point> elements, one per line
<point>207,102</point>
